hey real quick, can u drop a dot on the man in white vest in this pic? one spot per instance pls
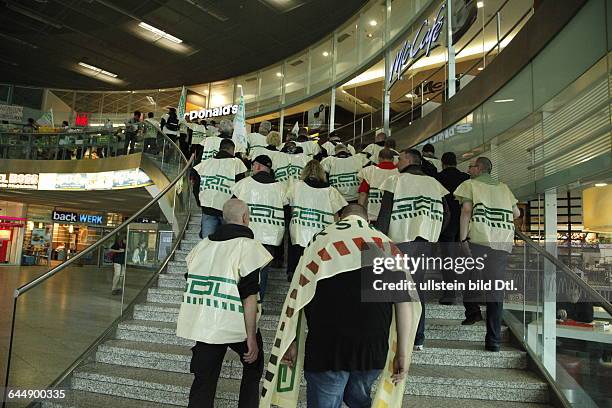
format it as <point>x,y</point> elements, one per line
<point>311,147</point>
<point>373,149</point>
<point>266,199</point>
<point>211,143</point>
<point>257,140</point>
<point>372,178</point>
<point>289,162</point>
<point>342,170</point>
<point>412,214</point>
<point>431,164</point>
<point>220,307</point>
<point>486,229</point>
<point>214,179</point>
<point>330,145</point>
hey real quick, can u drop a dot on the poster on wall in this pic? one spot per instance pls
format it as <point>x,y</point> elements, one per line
<point>12,113</point>
<point>40,237</point>
<point>316,117</point>
<point>165,244</point>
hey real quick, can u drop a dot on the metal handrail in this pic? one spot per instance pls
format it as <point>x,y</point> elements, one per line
<point>600,300</point>
<point>32,284</point>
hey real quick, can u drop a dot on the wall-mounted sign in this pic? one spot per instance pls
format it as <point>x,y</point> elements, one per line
<point>82,119</point>
<point>213,112</point>
<point>21,181</point>
<point>11,112</point>
<point>420,46</point>
<point>73,217</point>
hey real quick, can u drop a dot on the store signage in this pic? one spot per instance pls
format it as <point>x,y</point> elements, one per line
<point>421,45</point>
<point>213,112</point>
<point>11,112</point>
<point>23,181</point>
<point>73,217</point>
<point>82,119</point>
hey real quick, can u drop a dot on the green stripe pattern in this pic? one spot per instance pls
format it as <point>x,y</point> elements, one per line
<point>267,214</point>
<point>211,291</point>
<point>217,182</point>
<point>209,154</point>
<point>493,217</point>
<point>344,180</point>
<point>375,196</point>
<point>286,172</point>
<point>410,207</point>
<point>311,217</point>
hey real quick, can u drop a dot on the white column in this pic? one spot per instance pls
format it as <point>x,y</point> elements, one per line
<point>281,125</point>
<point>450,49</point>
<point>332,110</point>
<point>387,94</point>
<point>549,330</point>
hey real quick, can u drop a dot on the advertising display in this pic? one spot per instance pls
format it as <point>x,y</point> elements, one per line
<point>19,181</point>
<point>40,237</point>
<point>107,180</point>
<point>11,112</point>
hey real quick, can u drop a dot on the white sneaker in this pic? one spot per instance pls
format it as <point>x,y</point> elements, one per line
<point>418,348</point>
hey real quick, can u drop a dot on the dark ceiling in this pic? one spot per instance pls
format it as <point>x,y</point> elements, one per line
<point>42,41</point>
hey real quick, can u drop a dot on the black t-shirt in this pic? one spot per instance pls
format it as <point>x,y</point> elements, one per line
<point>345,334</point>
<point>118,257</point>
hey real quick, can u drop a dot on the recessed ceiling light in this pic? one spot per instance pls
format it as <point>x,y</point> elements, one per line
<point>98,70</point>
<point>601,184</point>
<point>325,54</point>
<point>159,32</point>
<point>373,23</point>
<point>369,35</point>
<point>480,4</point>
<point>504,100</point>
<point>238,85</point>
<point>278,74</point>
<point>480,68</point>
<point>410,95</point>
<point>151,100</point>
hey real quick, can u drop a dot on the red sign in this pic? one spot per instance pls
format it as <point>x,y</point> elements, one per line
<point>82,119</point>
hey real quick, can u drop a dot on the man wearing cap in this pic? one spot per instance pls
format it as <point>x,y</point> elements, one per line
<point>342,170</point>
<point>266,198</point>
<point>372,178</point>
<point>215,178</point>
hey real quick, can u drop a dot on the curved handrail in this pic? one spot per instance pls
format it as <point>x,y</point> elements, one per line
<point>32,284</point>
<point>603,302</point>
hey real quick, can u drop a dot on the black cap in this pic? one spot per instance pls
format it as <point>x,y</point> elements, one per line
<point>264,160</point>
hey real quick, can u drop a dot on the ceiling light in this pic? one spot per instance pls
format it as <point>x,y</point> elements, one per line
<point>278,74</point>
<point>369,35</point>
<point>71,228</point>
<point>98,70</point>
<point>151,100</point>
<point>159,32</point>
<point>325,54</point>
<point>373,23</point>
<point>410,95</point>
<point>504,100</point>
<point>480,68</point>
<point>239,86</point>
<point>601,184</point>
<point>480,4</point>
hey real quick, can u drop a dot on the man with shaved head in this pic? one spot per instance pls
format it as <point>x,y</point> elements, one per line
<point>486,229</point>
<point>228,261</point>
<point>257,140</point>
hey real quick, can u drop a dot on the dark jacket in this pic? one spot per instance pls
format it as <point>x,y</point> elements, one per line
<point>384,216</point>
<point>450,178</point>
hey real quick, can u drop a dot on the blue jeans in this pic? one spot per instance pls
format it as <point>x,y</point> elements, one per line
<point>327,389</point>
<point>210,223</point>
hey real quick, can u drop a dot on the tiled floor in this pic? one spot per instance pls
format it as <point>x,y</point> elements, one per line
<point>56,321</point>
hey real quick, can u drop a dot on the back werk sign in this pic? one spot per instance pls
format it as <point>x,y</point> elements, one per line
<point>421,45</point>
<point>73,217</point>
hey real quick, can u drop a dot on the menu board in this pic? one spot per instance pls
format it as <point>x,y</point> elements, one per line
<point>107,180</point>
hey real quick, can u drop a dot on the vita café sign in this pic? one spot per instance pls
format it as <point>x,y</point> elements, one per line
<point>421,45</point>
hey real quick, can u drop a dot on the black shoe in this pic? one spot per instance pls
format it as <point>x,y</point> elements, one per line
<point>494,348</point>
<point>471,320</point>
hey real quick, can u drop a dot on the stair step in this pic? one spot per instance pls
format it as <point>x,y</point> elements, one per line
<point>84,399</point>
<point>272,304</point>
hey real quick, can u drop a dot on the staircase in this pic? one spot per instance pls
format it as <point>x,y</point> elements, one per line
<point>146,365</point>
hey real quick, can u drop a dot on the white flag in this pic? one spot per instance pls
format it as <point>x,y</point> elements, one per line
<point>239,135</point>
<point>296,128</point>
<point>46,119</point>
<point>181,105</point>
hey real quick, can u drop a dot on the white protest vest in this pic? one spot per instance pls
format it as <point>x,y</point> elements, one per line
<point>312,209</point>
<point>343,174</point>
<point>436,162</point>
<point>373,149</point>
<point>265,201</point>
<point>256,142</point>
<point>217,177</point>
<point>199,133</point>
<point>151,126</point>
<point>330,148</point>
<point>375,177</point>
<point>211,147</point>
<point>287,166</point>
<point>492,222</point>
<point>311,148</point>
<point>212,311</point>
<point>417,207</point>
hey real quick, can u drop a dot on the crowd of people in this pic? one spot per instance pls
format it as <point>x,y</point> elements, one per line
<point>308,207</point>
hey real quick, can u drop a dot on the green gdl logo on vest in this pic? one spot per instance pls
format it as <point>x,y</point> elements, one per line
<point>73,217</point>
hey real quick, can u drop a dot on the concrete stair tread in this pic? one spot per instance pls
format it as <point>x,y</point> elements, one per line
<point>162,380</point>
<point>476,377</point>
<point>466,348</point>
<point>166,327</point>
<point>175,307</point>
<point>84,399</point>
<point>438,402</point>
